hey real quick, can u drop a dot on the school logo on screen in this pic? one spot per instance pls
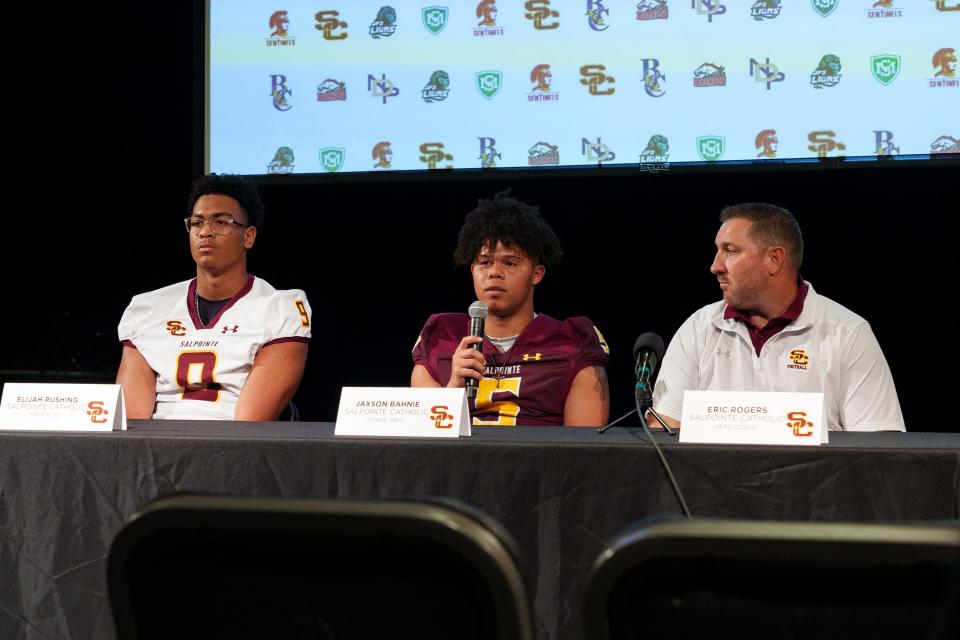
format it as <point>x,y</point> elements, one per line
<point>597,151</point>
<point>542,90</point>
<point>883,144</point>
<point>947,5</point>
<point>711,148</point>
<point>385,24</point>
<point>594,78</point>
<point>279,92</point>
<point>595,13</point>
<point>709,75</point>
<point>945,144</point>
<point>329,23</point>
<point>824,7</point>
<point>709,8</point>
<point>382,87</point>
<point>824,143</point>
<point>282,162</point>
<point>765,10</point>
<point>488,153</point>
<point>652,10</point>
<point>827,73</point>
<point>541,14</point>
<point>435,18</point>
<point>543,153</point>
<point>766,72</point>
<point>885,68</point>
<point>653,78</point>
<point>383,154</point>
<point>331,158</point>
<point>432,154</point>
<point>330,90</point>
<point>437,88</point>
<point>488,83</point>
<point>767,143</point>
<point>280,30</point>
<point>487,12</point>
<point>945,62</point>
<point>883,9</point>
<point>656,154</point>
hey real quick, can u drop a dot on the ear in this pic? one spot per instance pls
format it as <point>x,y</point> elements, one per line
<point>776,260</point>
<point>249,237</point>
<point>538,273</point>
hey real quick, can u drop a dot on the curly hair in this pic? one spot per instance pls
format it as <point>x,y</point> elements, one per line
<point>511,222</point>
<point>772,225</point>
<point>240,188</point>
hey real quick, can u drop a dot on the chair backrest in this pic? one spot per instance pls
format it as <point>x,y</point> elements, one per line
<point>759,579</point>
<point>227,567</point>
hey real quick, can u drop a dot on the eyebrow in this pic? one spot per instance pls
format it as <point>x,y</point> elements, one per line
<point>218,214</point>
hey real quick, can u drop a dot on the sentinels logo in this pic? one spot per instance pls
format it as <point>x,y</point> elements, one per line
<point>768,143</point>
<point>595,13</point>
<point>709,75</point>
<point>594,77</point>
<point>487,12</point>
<point>945,62</point>
<point>765,10</point>
<point>654,157</point>
<point>381,87</point>
<point>385,24</point>
<point>596,151</point>
<point>488,153</point>
<point>652,10</point>
<point>438,87</point>
<point>539,11</point>
<point>884,9</point>
<point>279,92</point>
<point>883,144</point>
<point>279,30</point>
<point>827,73</point>
<point>543,153</point>
<point>330,90</point>
<point>708,8</point>
<point>943,144</point>
<point>328,22</point>
<point>798,359</point>
<point>282,162</point>
<point>823,143</point>
<point>652,78</point>
<point>383,154</point>
<point>766,72</point>
<point>432,154</point>
<point>542,91</point>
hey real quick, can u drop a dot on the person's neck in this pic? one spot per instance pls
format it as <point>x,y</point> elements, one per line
<point>781,296</point>
<point>214,286</point>
<point>508,326</point>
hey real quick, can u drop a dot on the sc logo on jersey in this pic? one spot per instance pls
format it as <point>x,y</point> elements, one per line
<point>439,413</point>
<point>799,359</point>
<point>797,422</point>
<point>176,328</point>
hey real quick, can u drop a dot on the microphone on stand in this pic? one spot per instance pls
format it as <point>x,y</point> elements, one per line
<point>647,352</point>
<point>478,314</point>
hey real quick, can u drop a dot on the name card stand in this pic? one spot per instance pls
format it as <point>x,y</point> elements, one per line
<point>753,417</point>
<point>403,412</point>
<point>62,407</point>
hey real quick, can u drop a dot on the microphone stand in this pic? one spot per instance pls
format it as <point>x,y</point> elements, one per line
<point>644,402</point>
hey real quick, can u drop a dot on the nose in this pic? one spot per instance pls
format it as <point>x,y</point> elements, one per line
<point>717,267</point>
<point>496,270</point>
<point>206,229</point>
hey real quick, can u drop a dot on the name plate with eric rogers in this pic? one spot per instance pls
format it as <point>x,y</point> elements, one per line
<point>753,417</point>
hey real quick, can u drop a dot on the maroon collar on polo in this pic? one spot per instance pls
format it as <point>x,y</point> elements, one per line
<point>760,335</point>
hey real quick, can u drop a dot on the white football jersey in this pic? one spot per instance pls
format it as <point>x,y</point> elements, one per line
<point>201,370</point>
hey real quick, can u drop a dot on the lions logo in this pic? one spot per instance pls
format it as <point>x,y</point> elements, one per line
<point>438,87</point>
<point>542,76</point>
<point>765,10</point>
<point>946,59</point>
<point>657,149</point>
<point>768,142</point>
<point>383,154</point>
<point>827,73</point>
<point>282,161</point>
<point>487,12</point>
<point>385,24</point>
<point>280,23</point>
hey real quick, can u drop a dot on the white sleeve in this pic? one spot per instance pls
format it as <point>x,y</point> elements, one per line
<point>132,320</point>
<point>869,397</point>
<point>679,372</point>
<point>290,316</point>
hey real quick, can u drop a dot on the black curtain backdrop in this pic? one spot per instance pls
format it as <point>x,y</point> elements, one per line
<point>112,127</point>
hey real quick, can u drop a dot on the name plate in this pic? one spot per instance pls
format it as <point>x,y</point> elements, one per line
<point>62,407</point>
<point>753,417</point>
<point>403,411</point>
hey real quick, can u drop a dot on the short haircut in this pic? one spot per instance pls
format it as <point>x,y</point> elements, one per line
<point>513,223</point>
<point>772,225</point>
<point>240,188</point>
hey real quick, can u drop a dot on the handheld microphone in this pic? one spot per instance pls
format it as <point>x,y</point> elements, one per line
<point>478,313</point>
<point>647,351</point>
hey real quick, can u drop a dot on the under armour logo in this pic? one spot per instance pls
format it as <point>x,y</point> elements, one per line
<point>527,357</point>
<point>234,329</point>
<point>724,352</point>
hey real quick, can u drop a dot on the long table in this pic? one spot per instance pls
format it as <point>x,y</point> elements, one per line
<point>561,492</point>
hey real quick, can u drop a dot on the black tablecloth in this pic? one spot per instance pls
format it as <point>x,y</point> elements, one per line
<point>561,492</point>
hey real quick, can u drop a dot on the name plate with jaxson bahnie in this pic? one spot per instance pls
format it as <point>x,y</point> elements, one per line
<point>403,411</point>
<point>62,407</point>
<point>753,417</point>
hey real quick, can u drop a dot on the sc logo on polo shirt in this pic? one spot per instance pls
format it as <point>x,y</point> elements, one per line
<point>798,359</point>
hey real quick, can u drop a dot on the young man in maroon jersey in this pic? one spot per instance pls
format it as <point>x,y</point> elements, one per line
<point>531,369</point>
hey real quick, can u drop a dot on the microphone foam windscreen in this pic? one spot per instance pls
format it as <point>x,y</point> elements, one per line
<point>650,341</point>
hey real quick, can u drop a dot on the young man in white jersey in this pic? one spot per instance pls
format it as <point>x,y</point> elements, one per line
<point>225,345</point>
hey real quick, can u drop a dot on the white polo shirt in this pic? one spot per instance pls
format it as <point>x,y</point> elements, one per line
<point>828,349</point>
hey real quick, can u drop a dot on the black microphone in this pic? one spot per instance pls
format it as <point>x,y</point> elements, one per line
<point>478,313</point>
<point>647,351</point>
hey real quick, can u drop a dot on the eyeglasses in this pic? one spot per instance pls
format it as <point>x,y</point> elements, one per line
<point>220,226</point>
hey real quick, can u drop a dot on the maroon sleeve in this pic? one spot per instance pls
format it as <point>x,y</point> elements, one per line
<point>438,340</point>
<point>593,349</point>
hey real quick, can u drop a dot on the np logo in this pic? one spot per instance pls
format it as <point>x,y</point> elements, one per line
<point>381,87</point>
<point>709,8</point>
<point>596,151</point>
<point>594,77</point>
<point>233,329</point>
<point>824,7</point>
<point>883,143</point>
<point>711,148</point>
<point>331,158</point>
<point>383,154</point>
<point>885,68</point>
<point>488,83</point>
<point>543,153</point>
<point>799,359</point>
<point>766,72</point>
<point>765,10</point>
<point>539,11</point>
<point>768,143</point>
<point>279,92</point>
<point>328,22</point>
<point>95,410</point>
<point>282,162</point>
<point>823,142</point>
<point>798,423</point>
<point>528,357</point>
<point>385,24</point>
<point>595,12</point>
<point>440,413</point>
<point>176,328</point>
<point>432,154</point>
<point>435,18</point>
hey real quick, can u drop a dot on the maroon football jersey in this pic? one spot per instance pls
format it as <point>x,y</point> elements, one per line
<point>526,385</point>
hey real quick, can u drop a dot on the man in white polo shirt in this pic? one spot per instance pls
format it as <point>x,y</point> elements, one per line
<point>773,332</point>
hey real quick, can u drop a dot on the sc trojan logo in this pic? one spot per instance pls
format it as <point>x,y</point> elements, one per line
<point>329,23</point>
<point>708,8</point>
<point>948,5</point>
<point>709,75</point>
<point>541,14</point>
<point>768,143</point>
<point>383,154</point>
<point>885,68</point>
<point>282,162</point>
<point>594,78</point>
<point>432,154</point>
<point>487,12</point>
<point>711,148</point>
<point>652,10</point>
<point>824,142</point>
<point>542,91</point>
<point>765,10</point>
<point>797,422</point>
<point>95,410</point>
<point>798,359</point>
<point>331,158</point>
<point>543,153</point>
<point>435,18</point>
<point>384,24</point>
<point>437,88</point>
<point>827,73</point>
<point>440,413</point>
<point>946,60</point>
<point>330,90</point>
<point>176,328</point>
<point>279,92</point>
<point>595,13</point>
<point>279,30</point>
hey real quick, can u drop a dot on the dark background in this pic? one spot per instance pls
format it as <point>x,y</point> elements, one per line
<point>109,118</point>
